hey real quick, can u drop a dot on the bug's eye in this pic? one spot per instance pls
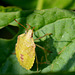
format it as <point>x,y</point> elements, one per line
<point>31,35</point>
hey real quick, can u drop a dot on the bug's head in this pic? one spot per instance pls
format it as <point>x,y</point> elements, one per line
<point>30,33</point>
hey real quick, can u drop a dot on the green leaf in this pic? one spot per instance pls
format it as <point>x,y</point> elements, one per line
<point>7,18</point>
<point>59,22</point>
<point>9,9</point>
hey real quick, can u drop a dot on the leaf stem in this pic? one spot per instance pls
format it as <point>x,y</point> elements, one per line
<point>39,4</point>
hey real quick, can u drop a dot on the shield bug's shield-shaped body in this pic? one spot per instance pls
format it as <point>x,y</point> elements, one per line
<point>25,49</point>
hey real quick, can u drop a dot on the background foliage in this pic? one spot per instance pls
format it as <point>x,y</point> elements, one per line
<point>40,4</point>
<point>59,22</point>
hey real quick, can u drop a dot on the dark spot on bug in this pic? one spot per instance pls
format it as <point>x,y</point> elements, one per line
<point>21,56</point>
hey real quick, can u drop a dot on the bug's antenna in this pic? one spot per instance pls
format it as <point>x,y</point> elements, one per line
<point>28,25</point>
<point>33,28</point>
<point>21,24</point>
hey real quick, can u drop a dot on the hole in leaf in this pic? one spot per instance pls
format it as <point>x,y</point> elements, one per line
<point>8,32</point>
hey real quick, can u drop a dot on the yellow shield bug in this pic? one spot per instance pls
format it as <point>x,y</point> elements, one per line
<point>25,48</point>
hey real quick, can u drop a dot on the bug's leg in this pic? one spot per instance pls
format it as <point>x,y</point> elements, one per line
<point>36,61</point>
<point>43,62</point>
<point>62,50</point>
<point>43,48</point>
<point>45,51</point>
<point>43,36</point>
